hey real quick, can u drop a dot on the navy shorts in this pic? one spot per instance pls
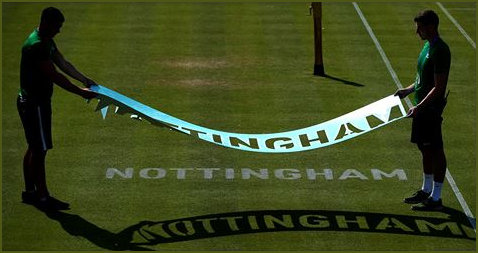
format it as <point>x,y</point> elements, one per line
<point>36,120</point>
<point>426,130</point>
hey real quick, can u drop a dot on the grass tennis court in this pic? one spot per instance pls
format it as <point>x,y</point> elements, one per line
<point>244,68</point>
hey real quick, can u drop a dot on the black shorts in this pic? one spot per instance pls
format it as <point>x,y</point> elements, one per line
<point>426,130</point>
<point>36,120</point>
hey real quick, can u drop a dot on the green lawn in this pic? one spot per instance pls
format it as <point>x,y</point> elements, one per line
<point>244,68</point>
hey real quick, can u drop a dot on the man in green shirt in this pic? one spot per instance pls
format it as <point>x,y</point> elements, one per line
<point>37,75</point>
<point>429,87</point>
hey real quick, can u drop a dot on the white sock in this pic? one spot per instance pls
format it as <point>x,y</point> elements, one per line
<point>436,193</point>
<point>427,183</point>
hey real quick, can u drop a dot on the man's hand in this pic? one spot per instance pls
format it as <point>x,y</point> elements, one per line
<point>87,93</point>
<point>88,82</point>
<point>402,93</point>
<point>412,112</point>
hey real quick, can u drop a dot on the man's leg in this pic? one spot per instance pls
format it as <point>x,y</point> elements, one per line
<point>45,201</point>
<point>427,186</point>
<point>435,159</point>
<point>428,171</point>
<point>440,165</point>
<point>38,165</point>
<point>439,171</point>
<point>434,162</point>
<point>34,176</point>
<point>29,196</point>
<point>28,172</point>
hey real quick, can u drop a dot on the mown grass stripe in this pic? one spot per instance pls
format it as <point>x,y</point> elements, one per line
<point>452,19</point>
<point>380,50</point>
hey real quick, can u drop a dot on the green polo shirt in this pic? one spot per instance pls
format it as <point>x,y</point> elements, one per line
<point>434,59</point>
<point>34,85</point>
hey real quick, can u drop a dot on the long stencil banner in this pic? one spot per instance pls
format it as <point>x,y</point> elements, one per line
<point>345,127</point>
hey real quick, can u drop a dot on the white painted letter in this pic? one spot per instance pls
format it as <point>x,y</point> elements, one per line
<point>111,172</point>
<point>377,174</point>
<point>262,174</point>
<point>160,173</point>
<point>230,173</point>
<point>290,173</point>
<point>351,173</point>
<point>208,172</point>
<point>327,173</point>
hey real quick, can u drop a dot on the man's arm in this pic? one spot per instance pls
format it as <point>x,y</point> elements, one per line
<point>70,70</point>
<point>401,93</point>
<point>435,93</point>
<point>49,70</point>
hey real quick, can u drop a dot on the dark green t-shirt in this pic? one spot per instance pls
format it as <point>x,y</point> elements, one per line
<point>34,85</point>
<point>434,59</point>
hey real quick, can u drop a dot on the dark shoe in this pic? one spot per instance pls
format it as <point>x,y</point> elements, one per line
<point>417,197</point>
<point>29,198</point>
<point>52,204</point>
<point>429,205</point>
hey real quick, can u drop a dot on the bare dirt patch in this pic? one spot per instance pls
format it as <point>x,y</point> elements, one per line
<point>201,82</point>
<point>198,63</point>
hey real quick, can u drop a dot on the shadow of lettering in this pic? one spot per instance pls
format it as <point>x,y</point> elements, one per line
<point>149,233</point>
<point>153,233</point>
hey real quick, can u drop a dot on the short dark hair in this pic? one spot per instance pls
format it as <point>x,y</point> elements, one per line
<point>52,15</point>
<point>427,17</point>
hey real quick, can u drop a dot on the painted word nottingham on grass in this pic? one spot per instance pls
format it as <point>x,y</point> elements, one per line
<point>247,173</point>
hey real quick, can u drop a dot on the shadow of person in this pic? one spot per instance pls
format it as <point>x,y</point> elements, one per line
<point>343,81</point>
<point>77,226</point>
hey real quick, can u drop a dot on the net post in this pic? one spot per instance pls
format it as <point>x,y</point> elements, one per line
<point>317,17</point>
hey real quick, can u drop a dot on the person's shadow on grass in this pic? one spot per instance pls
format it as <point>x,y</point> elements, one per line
<point>346,82</point>
<point>77,226</point>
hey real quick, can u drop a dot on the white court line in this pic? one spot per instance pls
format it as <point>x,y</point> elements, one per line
<point>450,179</point>
<point>460,198</point>
<point>462,9</point>
<point>380,50</point>
<point>473,44</point>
